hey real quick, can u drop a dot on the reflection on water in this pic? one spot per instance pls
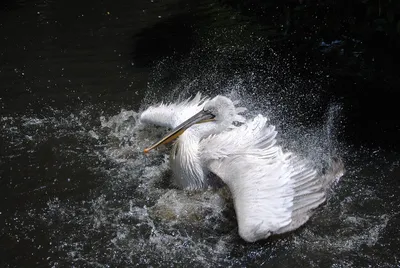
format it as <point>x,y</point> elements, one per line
<point>77,189</point>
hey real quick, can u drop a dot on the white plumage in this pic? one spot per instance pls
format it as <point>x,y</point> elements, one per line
<point>273,192</point>
<point>172,114</point>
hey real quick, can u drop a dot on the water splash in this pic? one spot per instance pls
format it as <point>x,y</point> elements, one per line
<point>131,214</point>
<point>103,203</point>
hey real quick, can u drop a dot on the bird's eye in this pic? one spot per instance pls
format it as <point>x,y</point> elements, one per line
<point>208,111</point>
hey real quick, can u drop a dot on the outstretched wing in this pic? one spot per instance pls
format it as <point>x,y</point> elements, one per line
<point>172,114</point>
<point>273,192</point>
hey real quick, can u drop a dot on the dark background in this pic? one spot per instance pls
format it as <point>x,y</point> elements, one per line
<point>93,58</point>
<point>362,63</point>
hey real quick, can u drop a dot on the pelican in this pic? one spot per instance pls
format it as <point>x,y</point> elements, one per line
<point>273,191</point>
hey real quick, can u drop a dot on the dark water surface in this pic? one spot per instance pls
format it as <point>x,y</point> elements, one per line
<point>76,189</point>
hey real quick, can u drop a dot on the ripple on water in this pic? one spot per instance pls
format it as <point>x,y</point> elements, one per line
<point>130,213</point>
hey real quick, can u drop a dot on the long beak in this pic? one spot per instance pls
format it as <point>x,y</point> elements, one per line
<point>200,117</point>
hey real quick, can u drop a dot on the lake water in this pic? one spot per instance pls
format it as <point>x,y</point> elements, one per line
<point>76,189</point>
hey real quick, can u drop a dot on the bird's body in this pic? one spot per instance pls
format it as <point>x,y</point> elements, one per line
<point>187,156</point>
<point>273,192</point>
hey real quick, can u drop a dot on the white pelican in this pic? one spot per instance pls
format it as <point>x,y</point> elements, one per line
<point>273,192</point>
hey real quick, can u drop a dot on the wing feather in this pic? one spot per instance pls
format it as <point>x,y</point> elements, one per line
<point>172,114</point>
<point>262,194</point>
<point>254,137</point>
<point>273,192</point>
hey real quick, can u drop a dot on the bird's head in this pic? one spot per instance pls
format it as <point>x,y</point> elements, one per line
<point>220,111</point>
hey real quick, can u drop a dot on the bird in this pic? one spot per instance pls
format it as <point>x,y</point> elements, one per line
<point>273,191</point>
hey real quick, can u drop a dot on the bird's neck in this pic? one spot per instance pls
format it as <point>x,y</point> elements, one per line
<point>186,163</point>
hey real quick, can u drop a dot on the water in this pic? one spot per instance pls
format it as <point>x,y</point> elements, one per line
<point>78,191</point>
